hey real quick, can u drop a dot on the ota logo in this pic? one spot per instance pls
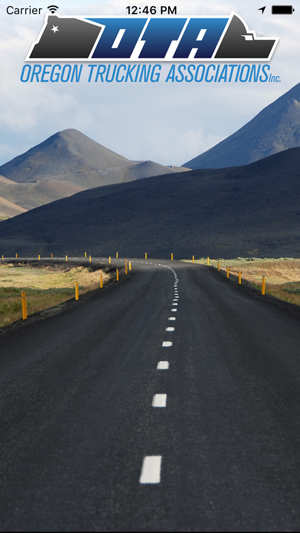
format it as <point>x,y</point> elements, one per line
<point>157,38</point>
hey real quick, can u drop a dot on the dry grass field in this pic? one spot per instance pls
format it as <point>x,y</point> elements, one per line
<point>282,275</point>
<point>45,287</point>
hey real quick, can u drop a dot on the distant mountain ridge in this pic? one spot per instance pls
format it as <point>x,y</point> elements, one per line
<point>72,157</point>
<point>64,164</point>
<point>65,156</point>
<point>274,129</point>
<point>31,195</point>
<point>9,209</point>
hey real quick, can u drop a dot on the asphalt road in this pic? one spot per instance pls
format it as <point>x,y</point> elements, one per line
<point>78,422</point>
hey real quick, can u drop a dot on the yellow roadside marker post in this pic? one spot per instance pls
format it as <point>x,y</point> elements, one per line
<point>240,278</point>
<point>219,268</point>
<point>85,254</point>
<point>117,274</point>
<point>117,255</point>
<point>101,282</point>
<point>227,272</point>
<point>24,308</point>
<point>208,261</point>
<point>109,259</point>
<point>90,258</point>
<point>16,255</point>
<point>172,257</point>
<point>2,257</point>
<point>263,286</point>
<point>39,257</point>
<point>66,258</point>
<point>76,291</point>
<point>129,265</point>
<point>146,256</point>
<point>193,258</point>
<point>51,254</point>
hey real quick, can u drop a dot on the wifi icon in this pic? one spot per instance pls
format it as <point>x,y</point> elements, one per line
<point>52,9</point>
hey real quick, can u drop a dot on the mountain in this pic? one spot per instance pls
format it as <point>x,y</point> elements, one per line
<point>73,158</point>
<point>64,164</point>
<point>8,209</point>
<point>253,210</point>
<point>274,129</point>
<point>66,156</point>
<point>30,195</point>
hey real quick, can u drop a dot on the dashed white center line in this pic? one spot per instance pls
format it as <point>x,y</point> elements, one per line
<point>151,467</point>
<point>167,344</point>
<point>159,400</point>
<point>163,365</point>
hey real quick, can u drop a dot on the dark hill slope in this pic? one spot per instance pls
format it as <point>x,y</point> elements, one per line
<point>252,210</point>
<point>274,129</point>
<point>34,194</point>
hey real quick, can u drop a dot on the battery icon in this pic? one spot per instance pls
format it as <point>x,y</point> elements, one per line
<point>282,10</point>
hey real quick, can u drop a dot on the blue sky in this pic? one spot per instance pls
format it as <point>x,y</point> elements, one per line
<point>167,123</point>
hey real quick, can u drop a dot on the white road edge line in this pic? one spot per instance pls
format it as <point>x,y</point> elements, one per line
<point>170,329</point>
<point>151,467</point>
<point>172,318</point>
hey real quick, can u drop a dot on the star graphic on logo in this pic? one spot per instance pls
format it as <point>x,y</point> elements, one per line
<point>55,29</point>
